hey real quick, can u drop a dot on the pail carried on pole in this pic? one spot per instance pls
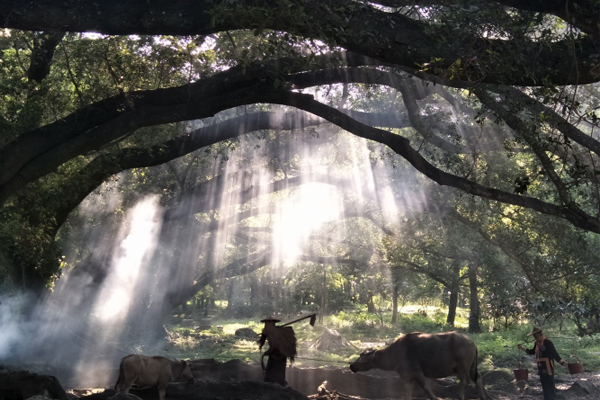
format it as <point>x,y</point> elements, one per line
<point>575,367</point>
<point>521,374</point>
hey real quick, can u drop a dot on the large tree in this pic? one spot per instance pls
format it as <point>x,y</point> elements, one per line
<point>515,69</point>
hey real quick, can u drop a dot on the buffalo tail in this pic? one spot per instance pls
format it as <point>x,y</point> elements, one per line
<point>474,373</point>
<point>121,377</point>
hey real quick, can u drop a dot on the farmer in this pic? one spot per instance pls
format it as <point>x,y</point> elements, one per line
<point>282,345</point>
<point>545,355</point>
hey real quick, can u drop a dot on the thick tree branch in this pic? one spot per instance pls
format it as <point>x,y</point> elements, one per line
<point>530,132</point>
<point>556,120</point>
<point>419,269</point>
<point>45,44</point>
<point>402,147</point>
<point>40,151</point>
<point>100,123</point>
<point>417,122</point>
<point>519,97</point>
<point>392,38</point>
<point>582,14</point>
<point>531,136</point>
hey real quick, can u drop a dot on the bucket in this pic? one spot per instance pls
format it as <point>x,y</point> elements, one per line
<point>575,367</point>
<point>521,374</point>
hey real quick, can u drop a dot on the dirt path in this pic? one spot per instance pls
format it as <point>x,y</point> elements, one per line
<point>585,386</point>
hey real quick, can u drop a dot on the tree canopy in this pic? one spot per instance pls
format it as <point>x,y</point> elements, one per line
<point>497,99</point>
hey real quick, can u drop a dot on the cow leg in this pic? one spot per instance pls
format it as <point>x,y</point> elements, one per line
<point>125,385</point>
<point>480,389</point>
<point>406,389</point>
<point>464,381</point>
<point>461,388</point>
<point>161,392</point>
<point>422,381</point>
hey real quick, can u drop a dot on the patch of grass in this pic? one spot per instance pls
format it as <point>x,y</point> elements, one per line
<point>497,350</point>
<point>220,347</point>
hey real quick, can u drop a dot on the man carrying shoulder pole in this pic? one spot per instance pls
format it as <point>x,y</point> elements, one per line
<point>545,355</point>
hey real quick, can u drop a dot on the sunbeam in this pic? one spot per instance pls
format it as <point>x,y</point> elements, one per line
<point>132,253</point>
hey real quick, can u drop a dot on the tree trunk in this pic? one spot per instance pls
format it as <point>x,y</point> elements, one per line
<point>253,291</point>
<point>394,304</point>
<point>453,294</point>
<point>230,296</point>
<point>323,297</point>
<point>275,295</point>
<point>474,326</point>
<point>452,306</point>
<point>370,304</point>
<point>348,288</point>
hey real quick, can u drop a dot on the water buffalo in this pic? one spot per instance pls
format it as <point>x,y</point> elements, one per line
<point>417,356</point>
<point>151,371</point>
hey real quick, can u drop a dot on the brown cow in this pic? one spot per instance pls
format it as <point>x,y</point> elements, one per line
<point>151,371</point>
<point>417,356</point>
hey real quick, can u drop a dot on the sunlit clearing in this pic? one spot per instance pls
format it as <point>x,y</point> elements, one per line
<point>139,243</point>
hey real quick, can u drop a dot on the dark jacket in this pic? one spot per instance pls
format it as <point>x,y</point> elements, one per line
<point>545,356</point>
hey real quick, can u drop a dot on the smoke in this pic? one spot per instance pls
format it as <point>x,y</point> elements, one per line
<point>12,324</point>
<point>81,319</point>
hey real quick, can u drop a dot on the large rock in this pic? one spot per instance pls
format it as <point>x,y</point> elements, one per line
<point>497,377</point>
<point>582,388</point>
<point>187,323</point>
<point>246,333</point>
<point>214,371</point>
<point>21,385</point>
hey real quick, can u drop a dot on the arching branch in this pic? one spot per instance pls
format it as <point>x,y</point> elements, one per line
<point>393,38</point>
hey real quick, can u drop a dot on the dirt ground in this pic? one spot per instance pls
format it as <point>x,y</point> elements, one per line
<point>499,385</point>
<point>247,378</point>
<point>238,380</point>
<point>584,386</point>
